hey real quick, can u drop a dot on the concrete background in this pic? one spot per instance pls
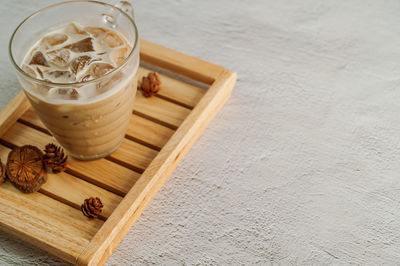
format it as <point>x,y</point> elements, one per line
<point>301,166</point>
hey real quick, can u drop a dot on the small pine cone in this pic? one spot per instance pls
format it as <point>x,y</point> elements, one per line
<point>150,85</point>
<point>92,207</point>
<point>2,173</point>
<point>55,158</point>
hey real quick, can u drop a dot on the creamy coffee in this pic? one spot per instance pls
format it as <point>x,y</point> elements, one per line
<point>87,98</point>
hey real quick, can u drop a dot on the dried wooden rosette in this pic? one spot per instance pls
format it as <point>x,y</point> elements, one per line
<point>25,168</point>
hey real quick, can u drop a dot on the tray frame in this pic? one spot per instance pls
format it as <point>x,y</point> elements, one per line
<point>113,230</point>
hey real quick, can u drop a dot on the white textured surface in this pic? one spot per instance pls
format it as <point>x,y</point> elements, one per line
<point>302,164</point>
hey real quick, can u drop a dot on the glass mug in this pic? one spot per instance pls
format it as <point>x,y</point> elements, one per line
<point>94,127</point>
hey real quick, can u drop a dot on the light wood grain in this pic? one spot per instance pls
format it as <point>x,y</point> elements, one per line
<point>140,129</point>
<point>133,155</point>
<point>176,90</point>
<point>149,132</point>
<point>72,190</point>
<point>105,174</point>
<point>46,223</point>
<point>13,111</point>
<point>30,117</point>
<point>172,60</point>
<point>102,172</point>
<point>133,204</point>
<point>161,111</point>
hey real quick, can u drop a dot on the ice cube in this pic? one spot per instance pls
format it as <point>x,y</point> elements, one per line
<point>38,59</point>
<point>109,83</point>
<point>64,93</point>
<point>66,75</point>
<point>28,70</point>
<point>97,70</point>
<point>102,87</point>
<point>85,45</point>
<point>59,57</point>
<point>113,40</point>
<point>79,63</point>
<point>61,91</point>
<point>74,94</point>
<point>86,78</point>
<point>40,72</point>
<point>53,40</point>
<point>118,55</point>
<point>41,89</point>
<point>73,29</point>
<point>53,91</point>
<point>95,31</point>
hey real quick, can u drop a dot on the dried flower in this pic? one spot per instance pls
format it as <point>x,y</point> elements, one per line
<point>150,85</point>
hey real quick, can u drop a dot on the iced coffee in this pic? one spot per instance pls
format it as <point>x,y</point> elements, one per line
<point>86,97</point>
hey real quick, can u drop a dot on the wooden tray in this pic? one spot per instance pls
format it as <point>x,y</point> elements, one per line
<point>162,130</point>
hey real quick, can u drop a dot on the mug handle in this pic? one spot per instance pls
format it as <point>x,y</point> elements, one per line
<point>111,18</point>
<point>127,8</point>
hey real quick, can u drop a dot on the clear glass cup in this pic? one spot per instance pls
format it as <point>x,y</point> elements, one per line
<point>93,128</point>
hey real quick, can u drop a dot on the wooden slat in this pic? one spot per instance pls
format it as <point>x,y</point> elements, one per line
<point>180,63</point>
<point>131,207</point>
<point>148,131</point>
<point>133,155</point>
<point>140,129</point>
<point>46,223</point>
<point>72,190</point>
<point>176,90</point>
<point>12,112</point>
<point>32,118</point>
<point>101,172</point>
<point>162,111</point>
